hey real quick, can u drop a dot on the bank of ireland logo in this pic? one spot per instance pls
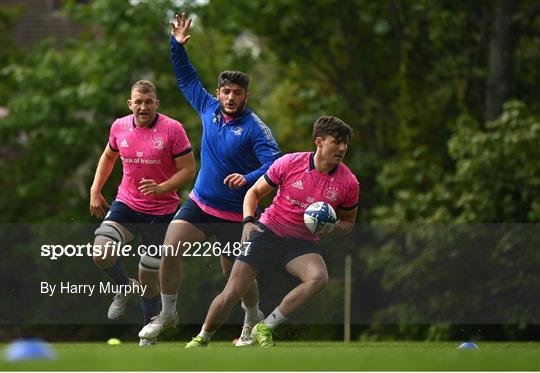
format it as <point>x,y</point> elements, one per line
<point>238,131</point>
<point>158,143</point>
<point>331,194</point>
<point>310,200</point>
<point>140,154</point>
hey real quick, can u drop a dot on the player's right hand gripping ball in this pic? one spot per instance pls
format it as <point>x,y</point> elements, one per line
<point>320,217</point>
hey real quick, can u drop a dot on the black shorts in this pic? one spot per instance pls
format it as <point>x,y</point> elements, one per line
<point>267,249</point>
<point>151,228</point>
<point>225,231</point>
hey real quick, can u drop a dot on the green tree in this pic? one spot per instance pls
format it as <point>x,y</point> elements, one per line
<point>8,50</point>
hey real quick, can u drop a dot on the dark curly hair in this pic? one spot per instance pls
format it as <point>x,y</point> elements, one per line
<point>233,77</point>
<point>333,126</point>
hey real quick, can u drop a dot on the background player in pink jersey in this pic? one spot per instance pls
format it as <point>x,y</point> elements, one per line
<point>156,160</point>
<point>302,178</point>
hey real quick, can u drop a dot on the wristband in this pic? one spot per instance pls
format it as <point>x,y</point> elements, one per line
<point>249,219</point>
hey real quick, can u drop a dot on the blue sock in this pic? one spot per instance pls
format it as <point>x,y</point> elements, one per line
<point>116,272</point>
<point>150,307</point>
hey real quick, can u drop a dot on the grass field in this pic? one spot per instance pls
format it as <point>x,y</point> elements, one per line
<point>289,356</point>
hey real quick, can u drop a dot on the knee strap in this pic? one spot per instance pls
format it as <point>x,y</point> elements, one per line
<point>109,231</point>
<point>149,263</point>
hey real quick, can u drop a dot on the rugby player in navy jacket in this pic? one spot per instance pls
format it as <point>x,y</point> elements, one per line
<point>236,149</point>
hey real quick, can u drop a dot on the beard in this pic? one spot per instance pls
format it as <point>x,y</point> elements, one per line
<point>239,110</point>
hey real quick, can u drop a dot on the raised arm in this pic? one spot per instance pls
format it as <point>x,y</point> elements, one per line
<point>180,29</point>
<point>186,75</point>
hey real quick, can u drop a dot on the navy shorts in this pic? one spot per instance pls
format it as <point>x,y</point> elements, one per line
<point>225,231</point>
<point>267,249</point>
<point>151,228</point>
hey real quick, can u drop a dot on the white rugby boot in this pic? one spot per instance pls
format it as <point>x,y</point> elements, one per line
<point>147,342</point>
<point>118,307</point>
<point>158,324</point>
<point>245,338</point>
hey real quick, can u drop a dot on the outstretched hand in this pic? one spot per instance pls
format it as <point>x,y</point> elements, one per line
<point>180,29</point>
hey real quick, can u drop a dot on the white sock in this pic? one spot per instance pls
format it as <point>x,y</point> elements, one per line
<point>206,335</point>
<point>168,304</point>
<point>252,315</point>
<point>274,319</point>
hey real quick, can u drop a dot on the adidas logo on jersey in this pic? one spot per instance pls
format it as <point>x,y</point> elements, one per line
<point>298,184</point>
<point>124,144</point>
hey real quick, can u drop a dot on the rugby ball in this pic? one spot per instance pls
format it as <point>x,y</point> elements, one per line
<point>320,217</point>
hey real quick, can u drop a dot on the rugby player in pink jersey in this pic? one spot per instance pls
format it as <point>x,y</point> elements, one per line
<point>280,233</point>
<point>156,160</point>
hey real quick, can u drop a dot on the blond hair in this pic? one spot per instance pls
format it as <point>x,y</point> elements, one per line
<point>144,86</point>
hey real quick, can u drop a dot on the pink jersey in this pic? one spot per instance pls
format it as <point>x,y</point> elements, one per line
<point>300,184</point>
<point>148,153</point>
